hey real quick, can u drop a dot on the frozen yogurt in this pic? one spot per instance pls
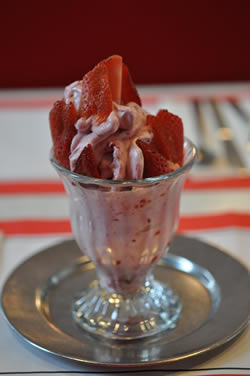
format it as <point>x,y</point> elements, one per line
<point>100,130</point>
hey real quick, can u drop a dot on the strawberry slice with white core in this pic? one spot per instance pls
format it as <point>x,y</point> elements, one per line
<point>129,92</point>
<point>114,65</point>
<point>121,84</point>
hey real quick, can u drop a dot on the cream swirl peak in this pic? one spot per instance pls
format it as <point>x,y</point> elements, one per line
<point>117,154</point>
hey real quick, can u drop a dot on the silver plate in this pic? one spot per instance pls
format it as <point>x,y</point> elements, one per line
<point>213,286</point>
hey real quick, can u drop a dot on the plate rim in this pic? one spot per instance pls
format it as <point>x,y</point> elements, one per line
<point>178,357</point>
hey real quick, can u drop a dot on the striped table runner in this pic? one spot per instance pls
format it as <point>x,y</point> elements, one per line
<point>215,205</point>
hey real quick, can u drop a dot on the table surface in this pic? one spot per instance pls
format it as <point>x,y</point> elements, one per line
<point>215,205</point>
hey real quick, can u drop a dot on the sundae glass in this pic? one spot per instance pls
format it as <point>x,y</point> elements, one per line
<point>124,227</point>
<point>123,170</point>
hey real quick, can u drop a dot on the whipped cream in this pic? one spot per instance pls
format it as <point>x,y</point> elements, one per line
<point>73,93</point>
<point>114,141</point>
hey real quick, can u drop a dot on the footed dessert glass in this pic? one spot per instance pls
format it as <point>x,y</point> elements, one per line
<point>124,227</point>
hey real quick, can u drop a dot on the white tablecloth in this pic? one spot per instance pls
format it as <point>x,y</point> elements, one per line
<point>215,205</point>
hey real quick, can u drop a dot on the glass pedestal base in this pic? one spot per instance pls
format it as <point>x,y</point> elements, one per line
<point>152,309</point>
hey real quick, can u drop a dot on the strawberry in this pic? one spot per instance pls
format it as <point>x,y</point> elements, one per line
<point>168,135</point>
<point>86,164</point>
<point>114,65</point>
<point>121,84</point>
<point>129,92</point>
<point>62,125</point>
<point>96,94</point>
<point>155,164</point>
<point>109,81</point>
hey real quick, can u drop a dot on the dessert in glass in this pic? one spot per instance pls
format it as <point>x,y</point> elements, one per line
<point>123,170</point>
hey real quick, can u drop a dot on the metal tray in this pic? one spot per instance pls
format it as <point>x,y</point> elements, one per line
<point>213,286</point>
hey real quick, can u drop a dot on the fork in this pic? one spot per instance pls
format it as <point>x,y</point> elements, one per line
<point>225,135</point>
<point>205,156</point>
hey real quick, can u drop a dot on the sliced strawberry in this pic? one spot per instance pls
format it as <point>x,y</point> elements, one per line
<point>114,65</point>
<point>109,81</point>
<point>96,94</point>
<point>86,164</point>
<point>155,164</point>
<point>62,125</point>
<point>129,92</point>
<point>168,135</point>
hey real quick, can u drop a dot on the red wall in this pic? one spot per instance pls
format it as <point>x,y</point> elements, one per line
<point>51,43</point>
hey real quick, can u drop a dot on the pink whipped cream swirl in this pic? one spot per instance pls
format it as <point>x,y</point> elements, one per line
<point>114,141</point>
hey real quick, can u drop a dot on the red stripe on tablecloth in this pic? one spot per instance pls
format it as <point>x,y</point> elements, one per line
<point>28,103</point>
<point>35,226</point>
<point>187,223</point>
<point>218,183</point>
<point>31,187</point>
<point>147,99</point>
<point>50,186</point>
<point>210,222</point>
